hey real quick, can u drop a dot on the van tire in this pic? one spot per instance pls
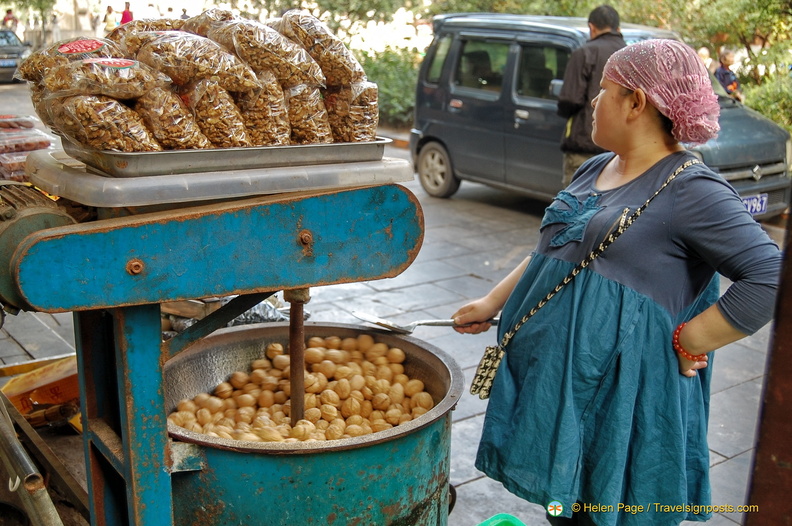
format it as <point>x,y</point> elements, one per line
<point>435,171</point>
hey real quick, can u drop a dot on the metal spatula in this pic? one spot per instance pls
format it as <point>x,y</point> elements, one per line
<point>410,327</point>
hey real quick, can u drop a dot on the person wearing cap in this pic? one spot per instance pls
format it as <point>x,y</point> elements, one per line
<point>600,403</point>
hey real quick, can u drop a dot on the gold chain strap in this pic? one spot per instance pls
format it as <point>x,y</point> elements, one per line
<point>624,223</point>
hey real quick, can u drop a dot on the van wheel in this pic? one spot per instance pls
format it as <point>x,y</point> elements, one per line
<point>435,171</point>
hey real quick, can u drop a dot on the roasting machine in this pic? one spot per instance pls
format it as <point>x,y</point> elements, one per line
<point>117,243</point>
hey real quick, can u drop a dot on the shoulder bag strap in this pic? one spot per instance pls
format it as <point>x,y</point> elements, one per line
<point>624,223</point>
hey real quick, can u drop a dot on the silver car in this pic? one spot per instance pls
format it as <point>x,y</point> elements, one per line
<point>12,52</point>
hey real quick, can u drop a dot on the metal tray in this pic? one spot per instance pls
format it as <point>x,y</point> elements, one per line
<point>140,164</point>
<point>60,174</point>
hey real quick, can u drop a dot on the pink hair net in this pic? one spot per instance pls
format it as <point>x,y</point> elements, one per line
<point>675,81</point>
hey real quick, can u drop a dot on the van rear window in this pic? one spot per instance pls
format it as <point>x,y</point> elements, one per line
<point>436,66</point>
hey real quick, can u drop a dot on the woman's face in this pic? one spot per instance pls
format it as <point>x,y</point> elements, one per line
<point>609,106</point>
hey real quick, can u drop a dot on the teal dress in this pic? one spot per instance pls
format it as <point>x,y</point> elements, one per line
<point>588,405</point>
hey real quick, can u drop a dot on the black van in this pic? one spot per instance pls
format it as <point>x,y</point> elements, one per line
<point>486,111</point>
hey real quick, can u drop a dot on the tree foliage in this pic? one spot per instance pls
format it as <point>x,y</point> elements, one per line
<point>762,28</point>
<point>42,7</point>
<point>341,17</point>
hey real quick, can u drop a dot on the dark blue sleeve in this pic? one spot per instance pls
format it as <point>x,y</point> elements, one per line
<point>711,223</point>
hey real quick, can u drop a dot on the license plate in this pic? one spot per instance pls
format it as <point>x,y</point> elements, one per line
<point>8,63</point>
<point>756,204</point>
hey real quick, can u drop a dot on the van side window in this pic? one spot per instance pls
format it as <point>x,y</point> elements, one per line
<point>438,59</point>
<point>538,66</point>
<point>481,65</point>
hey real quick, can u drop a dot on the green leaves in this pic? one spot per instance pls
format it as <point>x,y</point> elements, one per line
<point>395,71</point>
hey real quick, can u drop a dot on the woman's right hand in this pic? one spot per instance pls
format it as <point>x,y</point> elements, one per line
<point>472,318</point>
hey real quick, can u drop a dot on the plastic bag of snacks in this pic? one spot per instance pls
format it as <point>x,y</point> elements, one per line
<point>186,58</point>
<point>169,120</point>
<point>353,112</point>
<point>103,123</point>
<point>264,112</point>
<point>119,34</point>
<point>39,63</point>
<point>216,114</point>
<point>120,78</point>
<point>18,121</point>
<point>338,64</point>
<point>201,24</point>
<point>263,49</point>
<point>41,104</point>
<point>307,115</point>
<point>12,166</point>
<point>23,140</point>
<point>134,40</point>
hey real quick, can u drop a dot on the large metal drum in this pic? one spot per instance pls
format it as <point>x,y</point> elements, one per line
<point>394,477</point>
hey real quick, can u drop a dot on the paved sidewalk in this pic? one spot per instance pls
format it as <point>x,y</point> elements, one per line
<point>471,242</point>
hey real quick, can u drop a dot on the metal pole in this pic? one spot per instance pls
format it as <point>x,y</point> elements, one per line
<point>24,475</point>
<point>297,298</point>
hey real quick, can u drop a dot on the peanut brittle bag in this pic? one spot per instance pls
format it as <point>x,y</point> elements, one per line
<point>36,66</point>
<point>353,112</point>
<point>103,123</point>
<point>170,121</point>
<point>186,58</point>
<point>307,115</point>
<point>337,62</point>
<point>201,24</point>
<point>263,48</point>
<point>120,34</point>
<point>264,112</point>
<point>217,115</point>
<point>119,78</point>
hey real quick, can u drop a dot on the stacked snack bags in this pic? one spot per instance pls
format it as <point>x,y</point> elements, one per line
<point>19,137</point>
<point>215,80</point>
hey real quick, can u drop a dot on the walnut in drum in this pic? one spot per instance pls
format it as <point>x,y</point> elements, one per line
<point>353,112</point>
<point>264,113</point>
<point>102,123</point>
<point>307,116</point>
<point>216,114</point>
<point>263,48</point>
<point>201,24</point>
<point>338,64</point>
<point>186,58</point>
<point>39,63</point>
<point>119,78</point>
<point>169,120</point>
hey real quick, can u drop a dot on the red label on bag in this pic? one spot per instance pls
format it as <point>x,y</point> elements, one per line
<point>80,46</point>
<point>117,63</point>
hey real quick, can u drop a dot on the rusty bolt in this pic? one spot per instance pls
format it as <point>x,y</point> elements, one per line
<point>134,266</point>
<point>306,238</point>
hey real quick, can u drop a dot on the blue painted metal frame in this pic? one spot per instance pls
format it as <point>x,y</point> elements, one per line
<point>261,244</point>
<point>114,273</point>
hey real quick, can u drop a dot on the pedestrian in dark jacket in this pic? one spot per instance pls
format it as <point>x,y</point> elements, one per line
<point>582,83</point>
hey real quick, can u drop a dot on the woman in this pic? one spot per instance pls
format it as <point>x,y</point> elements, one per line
<point>126,15</point>
<point>592,405</point>
<point>110,20</point>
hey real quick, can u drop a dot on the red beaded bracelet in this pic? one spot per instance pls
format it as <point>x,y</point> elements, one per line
<point>678,348</point>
